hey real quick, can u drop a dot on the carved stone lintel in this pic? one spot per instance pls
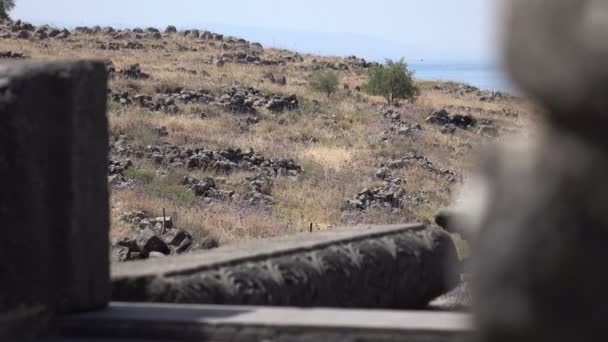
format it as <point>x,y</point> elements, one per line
<point>381,267</point>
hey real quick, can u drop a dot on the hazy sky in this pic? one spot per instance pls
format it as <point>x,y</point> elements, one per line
<point>442,30</point>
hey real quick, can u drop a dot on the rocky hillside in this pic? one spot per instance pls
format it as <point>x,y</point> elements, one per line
<point>230,140</point>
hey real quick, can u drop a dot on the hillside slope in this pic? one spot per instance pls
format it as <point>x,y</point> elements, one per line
<point>230,140</point>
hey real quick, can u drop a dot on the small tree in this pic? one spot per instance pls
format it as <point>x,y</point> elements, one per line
<point>393,81</point>
<point>326,82</point>
<point>5,7</point>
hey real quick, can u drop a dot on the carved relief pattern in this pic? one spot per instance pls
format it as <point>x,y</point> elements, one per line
<point>402,270</point>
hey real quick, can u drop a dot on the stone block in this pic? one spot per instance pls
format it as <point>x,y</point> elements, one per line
<point>54,194</point>
<point>399,267</point>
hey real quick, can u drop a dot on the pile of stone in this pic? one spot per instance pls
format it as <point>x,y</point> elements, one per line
<point>450,122</point>
<point>134,72</point>
<point>243,57</point>
<point>294,58</point>
<point>186,96</point>
<point>114,46</point>
<point>411,160</point>
<point>243,100</point>
<point>259,190</point>
<point>136,33</point>
<point>207,189</point>
<point>203,35</point>
<point>155,237</point>
<point>116,169</point>
<point>123,98</point>
<point>247,99</point>
<point>45,32</point>
<point>388,196</point>
<point>157,103</point>
<point>23,30</point>
<point>11,55</point>
<point>397,126</point>
<point>278,103</point>
<point>325,65</point>
<point>163,102</point>
<point>358,63</point>
<point>225,161</point>
<point>455,88</point>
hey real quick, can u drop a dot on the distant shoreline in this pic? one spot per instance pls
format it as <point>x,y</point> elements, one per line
<point>484,76</point>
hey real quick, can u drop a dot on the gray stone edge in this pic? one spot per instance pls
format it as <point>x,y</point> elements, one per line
<point>212,322</point>
<point>252,251</point>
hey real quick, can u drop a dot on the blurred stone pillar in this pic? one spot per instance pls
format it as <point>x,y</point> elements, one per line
<point>53,194</point>
<point>541,250</point>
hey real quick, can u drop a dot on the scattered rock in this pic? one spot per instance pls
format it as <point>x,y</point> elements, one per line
<point>134,72</point>
<point>11,55</point>
<point>242,57</point>
<point>388,196</point>
<point>207,188</point>
<point>223,161</point>
<point>246,100</point>
<point>443,118</point>
<point>149,240</point>
<point>116,176</point>
<point>259,190</point>
<point>157,103</point>
<point>397,126</point>
<point>412,159</point>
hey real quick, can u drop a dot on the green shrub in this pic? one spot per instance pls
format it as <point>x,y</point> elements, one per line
<point>393,81</point>
<point>308,106</point>
<point>325,81</point>
<point>143,176</point>
<point>177,193</point>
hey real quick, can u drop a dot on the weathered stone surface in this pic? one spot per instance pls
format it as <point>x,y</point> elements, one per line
<point>374,267</point>
<point>164,322</point>
<point>540,248</point>
<point>541,244</point>
<point>565,69</point>
<point>54,197</point>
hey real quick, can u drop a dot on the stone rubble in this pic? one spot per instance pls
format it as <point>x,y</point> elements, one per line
<point>236,99</point>
<point>388,196</point>
<point>223,161</point>
<point>259,190</point>
<point>22,30</point>
<point>398,127</point>
<point>115,46</point>
<point>150,241</point>
<point>413,159</point>
<point>11,55</point>
<point>134,72</point>
<point>450,122</point>
<point>207,189</point>
<point>243,57</point>
<point>116,169</point>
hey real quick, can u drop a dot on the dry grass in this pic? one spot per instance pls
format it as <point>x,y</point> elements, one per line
<point>336,141</point>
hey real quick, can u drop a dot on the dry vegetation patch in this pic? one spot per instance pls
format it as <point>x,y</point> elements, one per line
<point>339,141</point>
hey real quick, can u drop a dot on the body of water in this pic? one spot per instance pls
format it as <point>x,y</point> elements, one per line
<point>484,76</point>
